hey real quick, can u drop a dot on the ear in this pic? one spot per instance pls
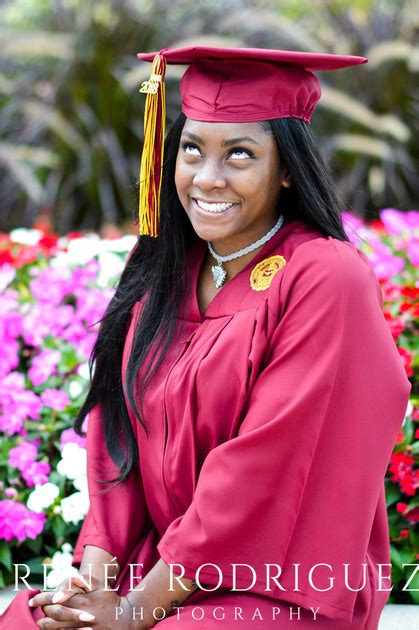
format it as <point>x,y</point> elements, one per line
<point>287,180</point>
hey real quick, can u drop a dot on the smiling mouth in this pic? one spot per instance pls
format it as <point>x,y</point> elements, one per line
<point>215,206</point>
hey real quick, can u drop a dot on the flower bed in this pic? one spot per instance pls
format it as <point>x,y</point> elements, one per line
<point>53,293</point>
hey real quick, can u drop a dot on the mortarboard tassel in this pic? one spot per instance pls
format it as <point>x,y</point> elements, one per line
<point>153,148</point>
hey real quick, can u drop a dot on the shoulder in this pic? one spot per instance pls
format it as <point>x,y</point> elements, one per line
<point>326,271</point>
<point>331,262</point>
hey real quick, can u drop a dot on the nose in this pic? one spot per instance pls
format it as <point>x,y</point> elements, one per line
<point>209,176</point>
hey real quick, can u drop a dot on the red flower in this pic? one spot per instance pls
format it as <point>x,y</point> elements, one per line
<point>400,437</point>
<point>391,292</point>
<point>396,324</point>
<point>407,360</point>
<point>6,257</point>
<point>48,241</point>
<point>417,434</point>
<point>401,507</point>
<point>410,292</point>
<point>71,235</point>
<point>413,515</point>
<point>27,255</point>
<point>377,225</point>
<point>404,533</point>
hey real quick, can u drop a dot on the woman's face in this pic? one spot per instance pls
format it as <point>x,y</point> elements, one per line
<point>228,179</point>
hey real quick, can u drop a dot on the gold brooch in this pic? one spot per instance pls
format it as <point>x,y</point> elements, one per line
<point>263,273</point>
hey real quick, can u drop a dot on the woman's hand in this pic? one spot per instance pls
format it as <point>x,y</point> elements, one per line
<point>89,606</point>
<point>105,609</point>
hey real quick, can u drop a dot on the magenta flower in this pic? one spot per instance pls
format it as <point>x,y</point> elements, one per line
<point>384,262</point>
<point>36,474</point>
<point>397,222</point>
<point>50,286</point>
<point>353,226</point>
<point>23,455</point>
<point>7,275</point>
<point>11,324</point>
<point>55,398</point>
<point>45,320</point>
<point>16,521</point>
<point>17,404</point>
<point>82,276</point>
<point>413,250</point>
<point>69,435</point>
<point>9,356</point>
<point>43,366</point>
<point>92,304</point>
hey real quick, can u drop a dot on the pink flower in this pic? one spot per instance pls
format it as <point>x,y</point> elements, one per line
<point>16,521</point>
<point>9,356</point>
<point>55,398</point>
<point>43,366</point>
<point>7,275</point>
<point>49,286</point>
<point>352,224</point>
<point>36,473</point>
<point>17,404</point>
<point>413,250</point>
<point>92,304</point>
<point>23,455</point>
<point>69,435</point>
<point>397,222</point>
<point>45,320</point>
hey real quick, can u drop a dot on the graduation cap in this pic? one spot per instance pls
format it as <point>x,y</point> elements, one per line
<point>226,85</point>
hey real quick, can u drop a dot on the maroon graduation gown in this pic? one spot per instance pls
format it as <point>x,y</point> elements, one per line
<point>272,420</point>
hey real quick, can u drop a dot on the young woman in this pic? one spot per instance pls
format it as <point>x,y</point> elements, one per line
<point>247,392</point>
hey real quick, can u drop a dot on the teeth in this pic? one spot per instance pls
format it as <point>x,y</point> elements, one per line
<point>213,207</point>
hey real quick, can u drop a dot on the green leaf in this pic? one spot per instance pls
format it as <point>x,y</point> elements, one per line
<point>5,555</point>
<point>392,493</point>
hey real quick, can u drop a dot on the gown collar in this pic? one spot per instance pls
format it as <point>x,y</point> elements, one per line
<point>227,300</point>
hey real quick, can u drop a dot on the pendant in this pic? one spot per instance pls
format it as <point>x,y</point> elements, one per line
<point>219,274</point>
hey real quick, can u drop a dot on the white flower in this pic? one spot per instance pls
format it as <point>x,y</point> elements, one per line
<point>81,250</point>
<point>409,409</point>
<point>42,497</point>
<point>74,461</point>
<point>75,507</point>
<point>25,237</point>
<point>110,266</point>
<point>75,389</point>
<point>7,274</point>
<point>123,244</point>
<point>61,567</point>
<point>83,371</point>
<point>81,484</point>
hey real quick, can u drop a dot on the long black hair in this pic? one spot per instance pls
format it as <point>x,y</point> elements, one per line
<point>157,271</point>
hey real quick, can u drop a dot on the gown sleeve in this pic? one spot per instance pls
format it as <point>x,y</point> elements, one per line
<point>301,481</point>
<point>117,518</point>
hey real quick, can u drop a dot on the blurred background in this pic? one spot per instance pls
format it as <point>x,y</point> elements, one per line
<point>71,117</point>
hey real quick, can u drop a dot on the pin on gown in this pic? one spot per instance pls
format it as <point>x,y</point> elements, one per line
<point>272,420</point>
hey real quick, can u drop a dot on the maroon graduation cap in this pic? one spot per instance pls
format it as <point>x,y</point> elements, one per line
<point>226,85</point>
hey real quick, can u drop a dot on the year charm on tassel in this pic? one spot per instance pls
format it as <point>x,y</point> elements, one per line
<point>219,275</point>
<point>152,85</point>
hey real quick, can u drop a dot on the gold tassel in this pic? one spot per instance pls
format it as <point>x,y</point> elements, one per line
<point>153,148</point>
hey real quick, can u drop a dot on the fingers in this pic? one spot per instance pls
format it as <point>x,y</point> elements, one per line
<point>63,617</point>
<point>48,598</point>
<point>78,585</point>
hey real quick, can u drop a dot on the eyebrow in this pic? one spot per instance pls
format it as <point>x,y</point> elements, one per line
<point>226,143</point>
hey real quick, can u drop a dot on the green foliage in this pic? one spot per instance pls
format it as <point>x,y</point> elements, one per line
<point>71,128</point>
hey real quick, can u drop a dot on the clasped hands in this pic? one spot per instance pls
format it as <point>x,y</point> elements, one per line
<point>85,607</point>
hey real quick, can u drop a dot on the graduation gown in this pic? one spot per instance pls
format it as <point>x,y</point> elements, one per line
<point>272,420</point>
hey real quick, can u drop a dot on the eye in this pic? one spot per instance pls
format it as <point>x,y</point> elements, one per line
<point>241,154</point>
<point>190,148</point>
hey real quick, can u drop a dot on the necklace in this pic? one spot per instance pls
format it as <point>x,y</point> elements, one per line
<point>219,274</point>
